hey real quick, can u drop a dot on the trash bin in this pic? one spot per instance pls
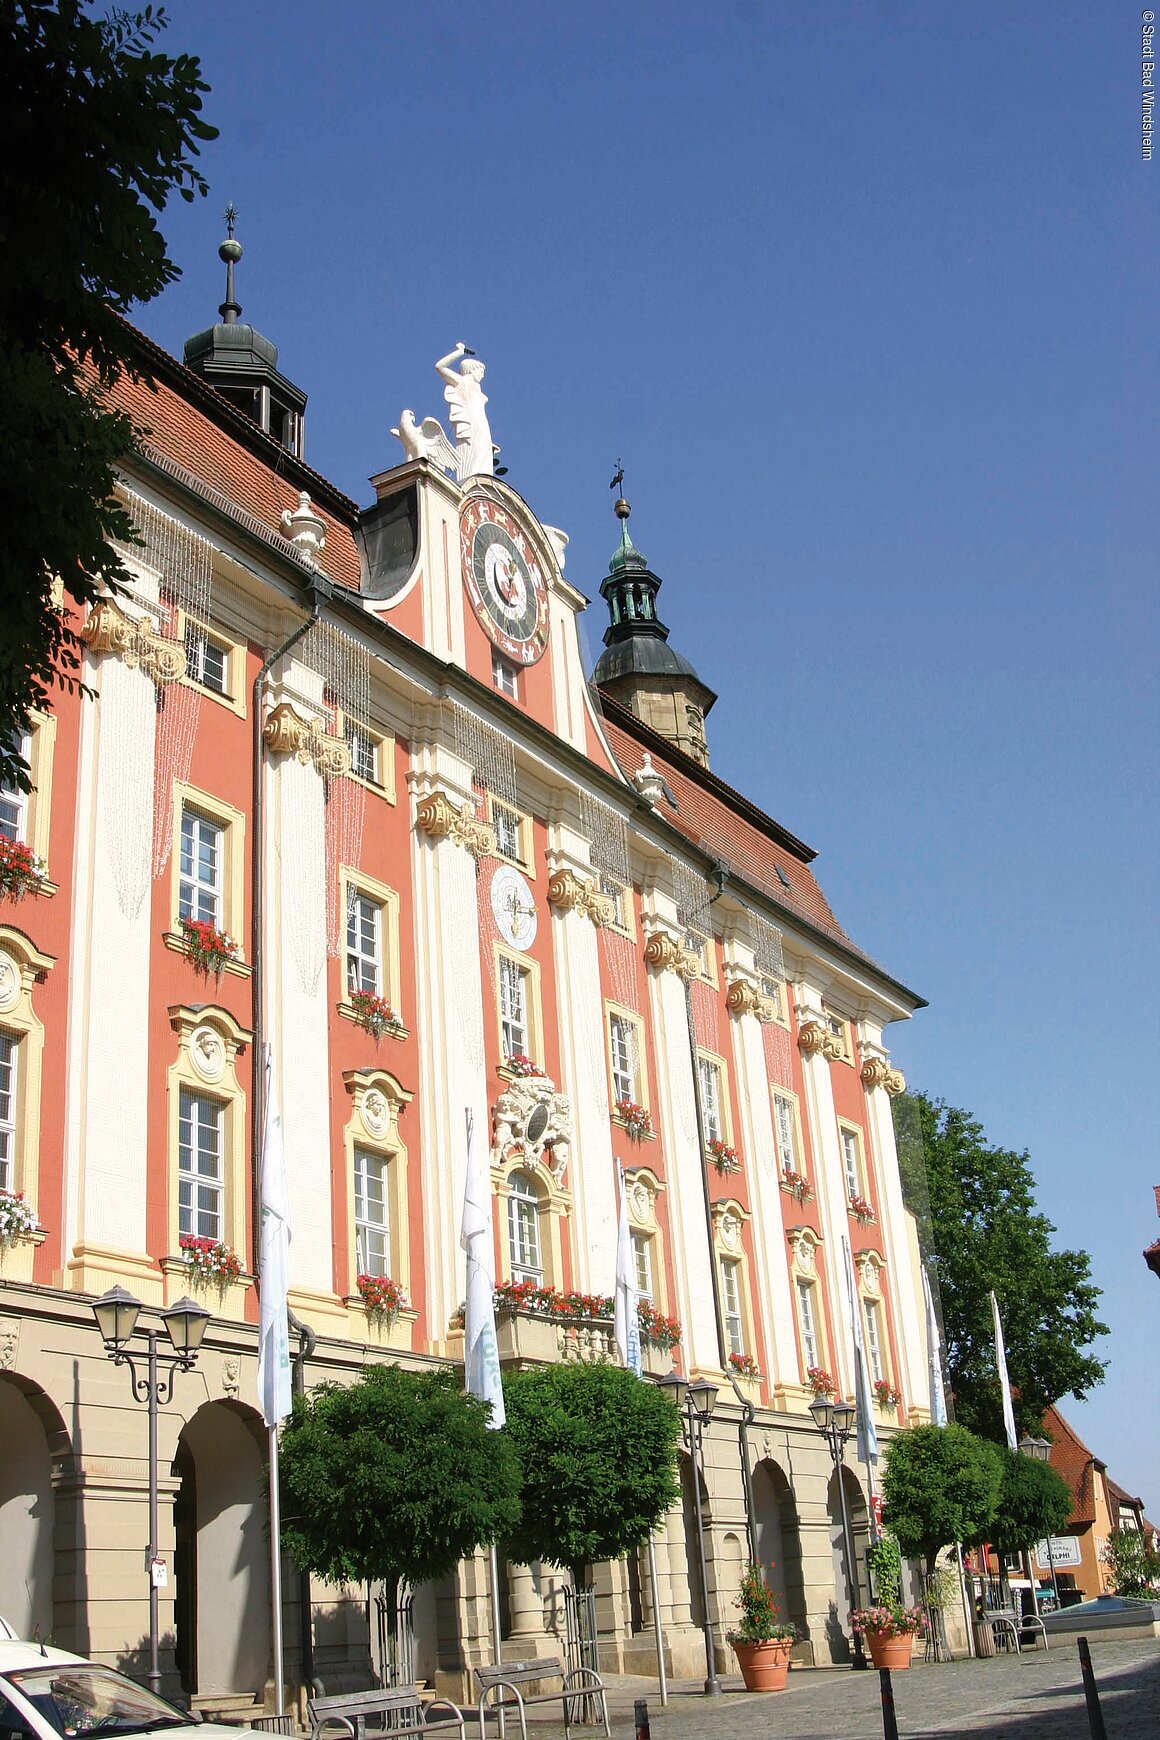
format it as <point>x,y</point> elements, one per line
<point>984,1638</point>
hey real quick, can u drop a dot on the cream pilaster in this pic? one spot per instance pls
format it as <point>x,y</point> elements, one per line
<point>827,1152</point>
<point>452,1004</point>
<point>881,1083</point>
<point>577,910</point>
<point>665,953</point>
<point>755,1112</point>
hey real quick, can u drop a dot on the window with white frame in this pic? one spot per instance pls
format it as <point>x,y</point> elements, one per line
<point>614,891</point>
<point>524,1229</point>
<point>852,1162</point>
<point>505,677</point>
<point>642,1264</point>
<point>364,944</point>
<point>513,1008</point>
<point>13,802</point>
<point>839,1030</point>
<point>873,1342</point>
<point>200,1150</point>
<point>507,832</point>
<point>9,1057</point>
<point>807,1323</point>
<point>771,989</point>
<point>731,1304</point>
<point>709,1077</point>
<point>783,1117</point>
<point>364,758</point>
<point>206,660</point>
<point>202,868</point>
<point>371,1223</point>
<point>622,1046</point>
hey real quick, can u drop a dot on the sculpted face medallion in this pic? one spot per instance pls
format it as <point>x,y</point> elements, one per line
<point>504,582</point>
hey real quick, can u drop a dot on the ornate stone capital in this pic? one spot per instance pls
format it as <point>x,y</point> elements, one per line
<point>438,818</point>
<point>286,733</point>
<point>742,998</point>
<point>665,953</point>
<point>876,1072</point>
<point>136,643</point>
<point>570,893</point>
<point>813,1039</point>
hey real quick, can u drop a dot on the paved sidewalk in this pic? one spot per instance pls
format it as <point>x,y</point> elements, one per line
<point>1034,1696</point>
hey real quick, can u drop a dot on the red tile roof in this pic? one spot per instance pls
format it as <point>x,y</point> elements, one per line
<point>1071,1457</point>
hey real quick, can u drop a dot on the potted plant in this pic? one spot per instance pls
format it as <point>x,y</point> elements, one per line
<point>890,1631</point>
<point>762,1641</point>
<point>21,871</point>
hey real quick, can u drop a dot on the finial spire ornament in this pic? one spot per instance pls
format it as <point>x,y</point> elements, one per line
<point>621,508</point>
<point>231,252</point>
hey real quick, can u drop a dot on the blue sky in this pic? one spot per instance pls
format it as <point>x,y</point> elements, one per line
<point>865,298</point>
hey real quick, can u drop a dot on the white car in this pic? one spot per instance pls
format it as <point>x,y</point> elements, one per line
<point>47,1694</point>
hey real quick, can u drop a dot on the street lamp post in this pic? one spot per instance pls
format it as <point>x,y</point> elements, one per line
<point>696,1402</point>
<point>1039,1449</point>
<point>116,1313</point>
<point>835,1421</point>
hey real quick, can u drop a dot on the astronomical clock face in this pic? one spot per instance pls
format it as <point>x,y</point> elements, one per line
<point>504,581</point>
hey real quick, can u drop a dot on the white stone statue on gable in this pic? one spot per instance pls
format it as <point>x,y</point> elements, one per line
<point>473,454</point>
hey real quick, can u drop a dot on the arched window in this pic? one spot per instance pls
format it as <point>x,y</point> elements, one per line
<point>524,1229</point>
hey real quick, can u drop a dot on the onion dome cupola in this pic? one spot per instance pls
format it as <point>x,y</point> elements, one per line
<point>638,668</point>
<point>243,365</point>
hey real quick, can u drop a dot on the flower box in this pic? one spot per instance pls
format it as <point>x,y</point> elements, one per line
<point>724,1158</point>
<point>520,1066</point>
<point>862,1211</point>
<point>743,1365</point>
<point>210,950</point>
<point>526,1336</point>
<point>210,1262</point>
<point>885,1394</point>
<point>655,1362</point>
<point>17,1217</point>
<point>382,1298</point>
<point>637,1121</point>
<point>797,1186</point>
<point>820,1382</point>
<point>21,871</point>
<point>373,1014</point>
<point>660,1332</point>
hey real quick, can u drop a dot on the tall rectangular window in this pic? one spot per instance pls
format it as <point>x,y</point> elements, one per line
<point>614,891</point>
<point>371,1229</point>
<point>805,1300</point>
<point>200,887</point>
<point>642,1264</point>
<point>362,746</point>
<point>873,1342</point>
<point>784,1121</point>
<point>364,944</point>
<point>852,1162</point>
<point>205,659</point>
<point>14,803</point>
<point>200,1140</point>
<point>731,1305</point>
<point>507,832</point>
<point>710,1081</point>
<point>622,1044</point>
<point>513,1008</point>
<point>8,1062</point>
<point>524,1230</point>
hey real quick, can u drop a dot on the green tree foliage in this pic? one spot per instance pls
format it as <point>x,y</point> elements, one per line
<point>598,1453</point>
<point>941,1484</point>
<point>984,1232</point>
<point>396,1475</point>
<point>1034,1502</point>
<point>96,130</point>
<point>1133,1563</point>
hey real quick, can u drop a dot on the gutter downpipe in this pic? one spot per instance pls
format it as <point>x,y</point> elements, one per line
<point>319,590</point>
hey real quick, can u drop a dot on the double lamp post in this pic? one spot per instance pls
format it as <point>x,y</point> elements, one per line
<point>836,1421</point>
<point>695,1403</point>
<point>116,1313</point>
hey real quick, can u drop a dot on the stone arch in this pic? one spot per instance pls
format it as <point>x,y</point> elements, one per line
<point>222,1579</point>
<point>34,1447</point>
<point>779,1547</point>
<point>839,1635</point>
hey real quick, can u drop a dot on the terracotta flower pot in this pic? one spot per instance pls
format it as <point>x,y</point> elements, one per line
<point>764,1666</point>
<point>890,1652</point>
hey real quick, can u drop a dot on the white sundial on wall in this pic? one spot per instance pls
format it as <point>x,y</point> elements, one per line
<point>513,907</point>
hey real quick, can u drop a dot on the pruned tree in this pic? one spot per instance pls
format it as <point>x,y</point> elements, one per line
<point>983,1233</point>
<point>1133,1563</point>
<point>1034,1502</point>
<point>96,130</point>
<point>597,1449</point>
<point>395,1476</point>
<point>941,1484</point>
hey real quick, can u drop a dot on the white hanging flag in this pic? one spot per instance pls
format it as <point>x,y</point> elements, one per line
<point>627,1320</point>
<point>1004,1380</point>
<point>938,1399</point>
<point>480,1348</point>
<point>867,1431</point>
<point>274,1278</point>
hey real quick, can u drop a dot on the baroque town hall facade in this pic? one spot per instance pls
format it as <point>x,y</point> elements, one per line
<point>357,754</point>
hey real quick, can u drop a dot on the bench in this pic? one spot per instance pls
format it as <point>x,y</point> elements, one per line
<point>1009,1627</point>
<point>515,1677</point>
<point>386,1711</point>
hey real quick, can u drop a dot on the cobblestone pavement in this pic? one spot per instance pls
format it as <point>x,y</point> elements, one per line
<point>1034,1696</point>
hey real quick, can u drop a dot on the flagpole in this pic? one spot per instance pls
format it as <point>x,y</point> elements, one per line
<point>276,1574</point>
<point>657,1626</point>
